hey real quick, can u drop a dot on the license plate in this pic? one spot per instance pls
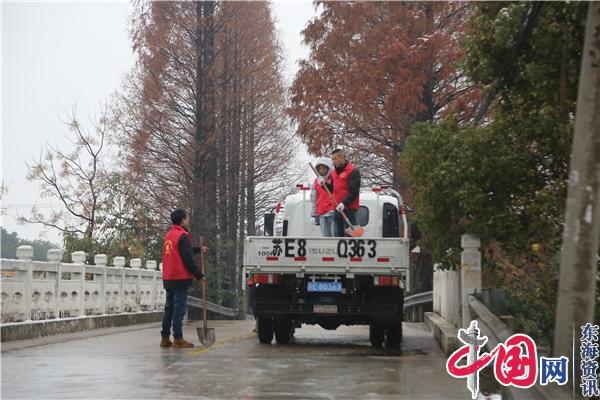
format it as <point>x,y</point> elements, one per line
<point>328,309</point>
<point>324,287</point>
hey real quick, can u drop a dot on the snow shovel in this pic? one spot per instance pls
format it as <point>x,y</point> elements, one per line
<point>206,335</point>
<point>352,231</point>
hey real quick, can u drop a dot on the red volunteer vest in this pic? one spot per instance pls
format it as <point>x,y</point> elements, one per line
<point>173,267</point>
<point>340,186</point>
<point>324,203</point>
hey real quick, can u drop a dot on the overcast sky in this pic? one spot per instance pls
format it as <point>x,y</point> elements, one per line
<point>57,55</point>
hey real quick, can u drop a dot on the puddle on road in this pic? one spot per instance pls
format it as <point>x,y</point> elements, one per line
<point>337,348</point>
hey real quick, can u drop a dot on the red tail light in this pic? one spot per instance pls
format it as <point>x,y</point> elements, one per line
<point>265,279</point>
<point>386,280</point>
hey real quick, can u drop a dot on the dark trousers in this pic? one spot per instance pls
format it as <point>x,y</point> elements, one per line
<point>339,225</point>
<point>175,307</point>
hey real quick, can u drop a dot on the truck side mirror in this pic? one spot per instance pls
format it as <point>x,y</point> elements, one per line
<point>269,223</point>
<point>415,234</point>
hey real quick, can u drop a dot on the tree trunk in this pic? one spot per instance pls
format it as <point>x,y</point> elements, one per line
<point>234,165</point>
<point>210,176</point>
<point>242,208</point>
<point>205,172</point>
<point>399,181</point>
<point>224,159</point>
<point>250,206</point>
<point>578,269</point>
<point>199,129</point>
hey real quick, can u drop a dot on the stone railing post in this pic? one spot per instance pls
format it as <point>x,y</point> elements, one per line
<point>136,263</point>
<point>151,266</point>
<point>25,253</point>
<point>55,256</point>
<point>78,257</point>
<point>436,289</point>
<point>100,260</point>
<point>159,273</point>
<point>470,267</point>
<point>119,262</point>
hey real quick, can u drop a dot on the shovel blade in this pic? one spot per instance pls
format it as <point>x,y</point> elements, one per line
<point>358,231</point>
<point>206,336</point>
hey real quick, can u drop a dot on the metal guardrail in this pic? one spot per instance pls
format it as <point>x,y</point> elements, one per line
<point>216,308</point>
<point>418,299</point>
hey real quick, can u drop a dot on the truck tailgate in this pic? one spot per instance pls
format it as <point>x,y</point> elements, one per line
<point>326,255</point>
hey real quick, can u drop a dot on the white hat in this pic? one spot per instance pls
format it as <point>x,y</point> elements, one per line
<point>323,161</point>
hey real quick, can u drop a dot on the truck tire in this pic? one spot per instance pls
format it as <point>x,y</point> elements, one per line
<point>264,326</point>
<point>283,330</point>
<point>376,333</point>
<point>393,335</point>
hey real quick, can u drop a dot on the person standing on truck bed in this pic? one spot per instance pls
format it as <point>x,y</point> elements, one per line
<point>178,273</point>
<point>345,187</point>
<point>322,206</point>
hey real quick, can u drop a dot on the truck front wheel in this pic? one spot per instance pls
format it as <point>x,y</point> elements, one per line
<point>264,326</point>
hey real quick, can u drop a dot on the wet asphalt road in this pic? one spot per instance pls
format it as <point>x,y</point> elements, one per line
<point>127,363</point>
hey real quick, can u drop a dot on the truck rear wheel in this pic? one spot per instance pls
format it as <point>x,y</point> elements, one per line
<point>376,334</point>
<point>393,335</point>
<point>283,330</point>
<point>264,326</point>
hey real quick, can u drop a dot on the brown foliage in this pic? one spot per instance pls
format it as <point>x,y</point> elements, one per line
<point>376,68</point>
<point>201,121</point>
<point>76,179</point>
<point>530,282</point>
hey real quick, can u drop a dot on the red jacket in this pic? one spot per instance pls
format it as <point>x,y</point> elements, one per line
<point>173,266</point>
<point>341,188</point>
<point>324,203</point>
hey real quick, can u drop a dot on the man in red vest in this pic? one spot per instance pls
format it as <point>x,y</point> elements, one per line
<point>179,271</point>
<point>346,189</point>
<point>322,206</point>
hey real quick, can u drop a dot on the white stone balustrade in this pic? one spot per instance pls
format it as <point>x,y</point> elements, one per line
<point>447,295</point>
<point>451,288</point>
<point>40,290</point>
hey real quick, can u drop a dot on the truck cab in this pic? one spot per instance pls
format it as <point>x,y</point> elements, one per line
<point>295,276</point>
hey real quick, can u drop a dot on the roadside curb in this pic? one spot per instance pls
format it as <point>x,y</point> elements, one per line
<point>37,329</point>
<point>444,332</point>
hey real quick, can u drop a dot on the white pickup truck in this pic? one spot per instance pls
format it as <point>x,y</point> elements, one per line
<point>295,276</point>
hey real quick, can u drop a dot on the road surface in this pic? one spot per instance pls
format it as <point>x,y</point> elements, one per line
<point>127,363</point>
